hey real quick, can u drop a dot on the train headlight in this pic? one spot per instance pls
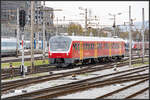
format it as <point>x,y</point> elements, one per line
<point>50,54</point>
<point>67,54</point>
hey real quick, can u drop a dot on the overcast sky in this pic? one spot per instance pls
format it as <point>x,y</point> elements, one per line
<point>101,9</point>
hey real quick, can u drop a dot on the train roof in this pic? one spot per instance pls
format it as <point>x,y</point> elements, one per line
<point>86,38</point>
<point>8,39</point>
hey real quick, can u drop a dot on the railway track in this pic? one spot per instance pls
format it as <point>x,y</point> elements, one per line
<point>22,82</point>
<point>6,73</point>
<point>137,93</point>
<point>103,80</point>
<point>20,59</point>
<point>117,93</point>
<point>59,75</point>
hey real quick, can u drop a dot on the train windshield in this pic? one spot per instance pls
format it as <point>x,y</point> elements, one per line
<point>60,43</point>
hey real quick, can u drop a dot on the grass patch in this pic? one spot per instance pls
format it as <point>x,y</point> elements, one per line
<point>140,64</point>
<point>26,63</point>
<point>32,75</point>
<point>85,74</point>
<point>17,77</point>
<point>38,74</point>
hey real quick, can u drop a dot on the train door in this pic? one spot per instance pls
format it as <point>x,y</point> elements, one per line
<point>120,47</point>
<point>95,50</point>
<point>81,50</point>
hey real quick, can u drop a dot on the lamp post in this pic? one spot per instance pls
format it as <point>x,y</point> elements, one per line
<point>85,19</point>
<point>114,18</point>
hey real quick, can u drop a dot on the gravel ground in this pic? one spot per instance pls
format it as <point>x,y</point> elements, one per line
<point>66,80</point>
<point>144,95</point>
<point>94,92</point>
<point>129,91</point>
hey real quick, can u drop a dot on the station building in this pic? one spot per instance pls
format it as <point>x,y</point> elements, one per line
<point>9,18</point>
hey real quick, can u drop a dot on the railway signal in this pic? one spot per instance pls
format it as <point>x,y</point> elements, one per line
<point>22,16</point>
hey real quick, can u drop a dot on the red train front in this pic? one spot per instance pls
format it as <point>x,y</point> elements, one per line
<point>68,50</point>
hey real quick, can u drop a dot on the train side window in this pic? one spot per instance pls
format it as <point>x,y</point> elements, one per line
<point>105,45</point>
<point>100,45</point>
<point>78,46</point>
<point>114,45</point>
<point>93,46</point>
<point>74,46</point>
<point>117,46</point>
<point>86,46</point>
<point>97,45</point>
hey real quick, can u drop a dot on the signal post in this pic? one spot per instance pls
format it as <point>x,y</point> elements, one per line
<point>22,15</point>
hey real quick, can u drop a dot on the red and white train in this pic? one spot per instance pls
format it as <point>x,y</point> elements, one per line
<point>68,50</point>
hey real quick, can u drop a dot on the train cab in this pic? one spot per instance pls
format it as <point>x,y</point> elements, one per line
<point>59,50</point>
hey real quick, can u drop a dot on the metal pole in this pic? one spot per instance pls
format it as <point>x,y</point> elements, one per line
<point>143,33</point>
<point>18,30</point>
<point>32,32</point>
<point>37,36</point>
<point>130,36</point>
<point>44,33</point>
<point>57,27</point>
<point>23,54</point>
<point>85,21</point>
<point>114,25</point>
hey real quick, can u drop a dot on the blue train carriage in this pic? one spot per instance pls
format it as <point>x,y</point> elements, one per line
<point>8,46</point>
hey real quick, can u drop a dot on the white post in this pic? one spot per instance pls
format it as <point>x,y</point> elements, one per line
<point>143,28</point>
<point>85,21</point>
<point>32,32</point>
<point>130,36</point>
<point>18,30</point>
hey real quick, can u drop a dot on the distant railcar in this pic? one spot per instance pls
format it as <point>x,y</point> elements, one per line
<point>139,45</point>
<point>68,50</point>
<point>27,45</point>
<point>8,46</point>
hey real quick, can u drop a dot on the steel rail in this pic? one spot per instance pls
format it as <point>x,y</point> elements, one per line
<point>9,85</point>
<point>79,83</point>
<point>121,89</point>
<point>137,93</point>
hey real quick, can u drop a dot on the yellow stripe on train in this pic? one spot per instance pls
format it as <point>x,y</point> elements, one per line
<point>95,50</point>
<point>81,51</point>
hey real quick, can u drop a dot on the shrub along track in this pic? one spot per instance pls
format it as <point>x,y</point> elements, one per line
<point>99,81</point>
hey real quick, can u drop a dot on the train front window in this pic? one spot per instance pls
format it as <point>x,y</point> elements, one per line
<point>60,44</point>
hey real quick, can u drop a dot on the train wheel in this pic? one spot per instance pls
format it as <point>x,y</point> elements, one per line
<point>93,61</point>
<point>71,66</point>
